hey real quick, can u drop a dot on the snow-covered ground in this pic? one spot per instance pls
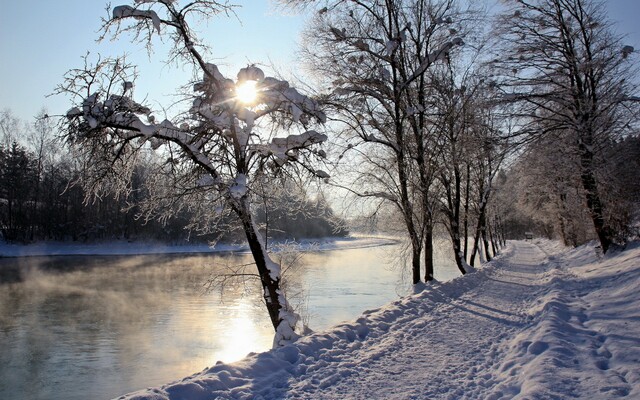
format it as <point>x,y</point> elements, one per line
<point>539,322</point>
<point>138,248</point>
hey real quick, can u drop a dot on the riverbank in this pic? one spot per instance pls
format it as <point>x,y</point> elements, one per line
<point>79,327</point>
<point>539,321</point>
<point>121,248</point>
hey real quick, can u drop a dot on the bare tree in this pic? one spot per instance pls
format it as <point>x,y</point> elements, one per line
<point>563,64</point>
<point>451,125</point>
<point>550,191</point>
<point>41,139</point>
<point>10,127</point>
<point>486,150</point>
<point>373,57</point>
<point>219,146</point>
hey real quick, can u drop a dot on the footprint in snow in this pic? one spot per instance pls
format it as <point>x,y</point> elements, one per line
<point>537,347</point>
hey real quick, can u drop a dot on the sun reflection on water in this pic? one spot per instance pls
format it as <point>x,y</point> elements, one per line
<point>245,332</point>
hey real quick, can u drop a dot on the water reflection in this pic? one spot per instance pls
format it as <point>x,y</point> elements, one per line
<point>98,327</point>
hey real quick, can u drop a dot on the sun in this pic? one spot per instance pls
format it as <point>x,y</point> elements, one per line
<point>247,92</point>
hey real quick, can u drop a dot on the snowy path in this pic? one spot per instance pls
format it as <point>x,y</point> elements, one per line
<point>452,354</point>
<point>539,322</point>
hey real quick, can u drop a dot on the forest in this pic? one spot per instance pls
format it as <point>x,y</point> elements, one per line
<point>41,200</point>
<point>432,116</point>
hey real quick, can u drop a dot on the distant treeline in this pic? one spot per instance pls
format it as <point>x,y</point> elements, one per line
<point>39,201</point>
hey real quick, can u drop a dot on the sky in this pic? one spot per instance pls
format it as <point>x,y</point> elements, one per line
<point>40,40</point>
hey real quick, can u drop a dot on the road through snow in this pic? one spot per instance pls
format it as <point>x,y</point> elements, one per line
<point>539,322</point>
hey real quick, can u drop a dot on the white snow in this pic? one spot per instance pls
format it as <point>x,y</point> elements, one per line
<point>626,50</point>
<point>250,73</point>
<point>540,321</point>
<point>206,180</point>
<point>239,186</point>
<point>120,12</point>
<point>391,46</point>
<point>322,174</point>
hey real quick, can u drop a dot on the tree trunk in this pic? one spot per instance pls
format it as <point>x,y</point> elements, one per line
<point>428,253</point>
<point>457,254</point>
<point>503,234</point>
<point>593,198</point>
<point>485,241</point>
<point>407,209</point>
<point>272,294</point>
<point>493,241</point>
<point>475,250</point>
<point>466,210</point>
<point>496,231</point>
<point>454,222</point>
<point>407,212</point>
<point>415,263</point>
<point>485,226</point>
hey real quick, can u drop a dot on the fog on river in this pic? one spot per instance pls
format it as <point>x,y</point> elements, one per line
<point>103,326</point>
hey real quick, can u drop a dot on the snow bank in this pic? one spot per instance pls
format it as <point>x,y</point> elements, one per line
<point>584,337</point>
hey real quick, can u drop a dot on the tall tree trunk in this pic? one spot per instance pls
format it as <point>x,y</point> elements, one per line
<point>475,250</point>
<point>406,206</point>
<point>494,248</point>
<point>502,234</point>
<point>485,241</point>
<point>466,210</point>
<point>454,221</point>
<point>414,237</point>
<point>428,253</point>
<point>416,251</point>
<point>591,191</point>
<point>267,270</point>
<point>496,232</point>
<point>457,253</point>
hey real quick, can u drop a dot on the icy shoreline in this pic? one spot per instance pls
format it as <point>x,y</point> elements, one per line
<point>539,321</point>
<point>122,248</point>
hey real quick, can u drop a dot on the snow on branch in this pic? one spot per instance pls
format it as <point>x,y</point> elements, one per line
<point>440,54</point>
<point>121,12</point>
<point>221,127</point>
<point>381,195</point>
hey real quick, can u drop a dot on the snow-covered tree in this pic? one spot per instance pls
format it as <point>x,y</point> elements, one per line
<point>452,124</point>
<point>550,191</point>
<point>373,57</point>
<point>219,144</point>
<point>488,144</point>
<point>564,66</point>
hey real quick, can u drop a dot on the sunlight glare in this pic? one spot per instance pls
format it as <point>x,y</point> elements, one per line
<point>247,92</point>
<point>242,334</point>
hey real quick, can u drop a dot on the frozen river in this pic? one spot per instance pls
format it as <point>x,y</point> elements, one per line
<point>78,327</point>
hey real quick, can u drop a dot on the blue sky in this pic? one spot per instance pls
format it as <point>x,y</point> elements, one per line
<point>41,39</point>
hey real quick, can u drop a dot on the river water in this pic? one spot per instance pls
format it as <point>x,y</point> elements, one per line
<point>79,327</point>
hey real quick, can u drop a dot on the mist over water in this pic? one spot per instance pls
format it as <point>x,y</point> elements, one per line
<point>98,327</point>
